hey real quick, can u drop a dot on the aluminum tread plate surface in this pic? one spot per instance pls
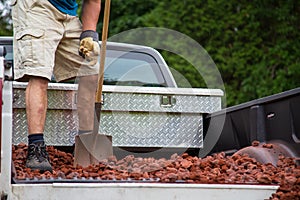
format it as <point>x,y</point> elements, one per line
<point>153,129</point>
<point>152,102</point>
<point>128,130</point>
<point>132,119</point>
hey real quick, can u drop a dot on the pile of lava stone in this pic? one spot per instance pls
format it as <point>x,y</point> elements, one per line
<point>214,169</point>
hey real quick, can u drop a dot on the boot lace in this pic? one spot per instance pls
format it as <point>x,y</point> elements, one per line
<point>38,152</point>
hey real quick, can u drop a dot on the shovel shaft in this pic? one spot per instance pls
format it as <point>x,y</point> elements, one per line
<point>98,102</point>
<point>103,50</point>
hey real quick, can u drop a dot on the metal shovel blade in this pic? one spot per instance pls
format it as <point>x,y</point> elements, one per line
<point>87,154</point>
<point>91,148</point>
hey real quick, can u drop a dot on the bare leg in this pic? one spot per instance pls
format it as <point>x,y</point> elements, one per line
<point>86,102</point>
<point>36,104</point>
<point>36,108</point>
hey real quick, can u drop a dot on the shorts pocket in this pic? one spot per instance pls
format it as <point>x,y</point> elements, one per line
<point>30,47</point>
<point>37,33</point>
<point>24,4</point>
<point>13,2</point>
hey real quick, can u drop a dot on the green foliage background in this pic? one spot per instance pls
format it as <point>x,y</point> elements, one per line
<point>5,18</point>
<point>255,44</point>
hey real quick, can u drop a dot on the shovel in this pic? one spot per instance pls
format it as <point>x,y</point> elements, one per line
<point>93,147</point>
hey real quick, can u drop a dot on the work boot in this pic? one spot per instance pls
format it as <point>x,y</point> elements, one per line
<point>37,157</point>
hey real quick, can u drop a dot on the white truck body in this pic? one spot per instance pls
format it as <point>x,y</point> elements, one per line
<point>164,105</point>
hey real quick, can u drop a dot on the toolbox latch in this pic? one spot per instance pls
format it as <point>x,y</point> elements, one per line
<point>167,101</point>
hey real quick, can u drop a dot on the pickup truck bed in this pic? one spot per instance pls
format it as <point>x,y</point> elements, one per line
<point>165,101</point>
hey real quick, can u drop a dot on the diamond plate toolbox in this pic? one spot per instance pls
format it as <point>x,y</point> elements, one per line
<point>133,116</point>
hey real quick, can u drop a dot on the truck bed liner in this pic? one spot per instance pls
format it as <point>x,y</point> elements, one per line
<point>274,117</point>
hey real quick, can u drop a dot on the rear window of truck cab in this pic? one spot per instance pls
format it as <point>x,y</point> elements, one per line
<point>132,68</point>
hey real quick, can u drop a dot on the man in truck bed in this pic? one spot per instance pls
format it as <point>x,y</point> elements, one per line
<point>48,38</point>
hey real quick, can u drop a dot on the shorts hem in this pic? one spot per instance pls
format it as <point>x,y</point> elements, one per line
<point>26,75</point>
<point>72,75</point>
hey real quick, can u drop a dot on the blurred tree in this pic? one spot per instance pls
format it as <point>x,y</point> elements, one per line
<point>126,15</point>
<point>5,18</point>
<point>254,44</point>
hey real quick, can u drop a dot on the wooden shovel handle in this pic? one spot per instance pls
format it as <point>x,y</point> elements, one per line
<point>103,51</point>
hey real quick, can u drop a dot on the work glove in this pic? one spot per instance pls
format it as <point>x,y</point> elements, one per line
<point>89,47</point>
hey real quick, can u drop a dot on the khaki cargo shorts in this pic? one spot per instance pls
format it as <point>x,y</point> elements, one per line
<point>46,42</point>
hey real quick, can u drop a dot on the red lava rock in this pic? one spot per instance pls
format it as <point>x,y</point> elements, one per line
<point>291,180</point>
<point>217,168</point>
<point>170,177</point>
<point>268,146</point>
<point>263,178</point>
<point>185,155</point>
<point>171,169</point>
<point>146,175</point>
<point>255,143</point>
<point>186,164</point>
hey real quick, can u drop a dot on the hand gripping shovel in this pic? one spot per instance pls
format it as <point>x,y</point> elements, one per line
<point>93,147</point>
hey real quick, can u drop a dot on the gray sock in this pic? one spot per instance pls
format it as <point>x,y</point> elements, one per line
<point>80,132</point>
